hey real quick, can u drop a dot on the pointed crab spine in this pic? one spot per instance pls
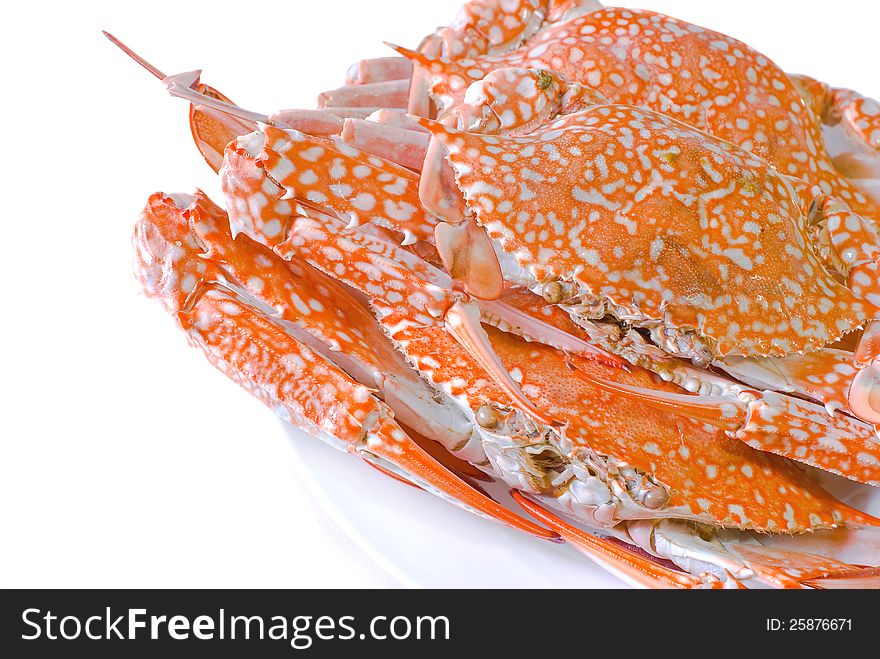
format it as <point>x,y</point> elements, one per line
<point>293,292</point>
<point>214,119</point>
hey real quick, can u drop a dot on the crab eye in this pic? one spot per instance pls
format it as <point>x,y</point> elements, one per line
<point>487,417</point>
<point>553,292</point>
<point>655,498</point>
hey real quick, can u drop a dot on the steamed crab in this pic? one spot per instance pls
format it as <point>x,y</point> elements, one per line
<point>620,214</point>
<point>331,229</point>
<point>632,57</point>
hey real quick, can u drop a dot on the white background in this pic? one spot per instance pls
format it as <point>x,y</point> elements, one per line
<point>125,460</point>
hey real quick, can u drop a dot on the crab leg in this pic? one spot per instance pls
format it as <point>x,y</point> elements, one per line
<point>857,114</point>
<point>617,558</point>
<point>380,69</point>
<point>768,421</point>
<point>256,350</point>
<point>823,376</point>
<point>647,546</point>
<point>214,124</point>
<point>386,94</point>
<point>405,147</point>
<point>332,322</point>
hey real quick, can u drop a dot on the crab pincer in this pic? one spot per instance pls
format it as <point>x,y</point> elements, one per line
<point>255,350</point>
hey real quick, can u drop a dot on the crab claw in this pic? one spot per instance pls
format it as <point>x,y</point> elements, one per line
<point>861,117</point>
<point>300,383</point>
<point>430,287</point>
<point>630,565</point>
<point>437,190</point>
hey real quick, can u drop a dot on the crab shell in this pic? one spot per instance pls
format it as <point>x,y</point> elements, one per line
<point>701,77</point>
<point>664,223</point>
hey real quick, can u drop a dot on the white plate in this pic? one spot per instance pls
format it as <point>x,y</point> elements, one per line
<point>424,542</point>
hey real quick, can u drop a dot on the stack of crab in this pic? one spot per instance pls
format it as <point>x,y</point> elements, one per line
<point>623,264</point>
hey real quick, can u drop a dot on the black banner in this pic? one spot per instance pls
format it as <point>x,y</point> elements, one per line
<point>276,623</point>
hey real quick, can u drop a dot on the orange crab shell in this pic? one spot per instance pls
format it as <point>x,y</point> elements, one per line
<point>701,77</point>
<point>663,221</point>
